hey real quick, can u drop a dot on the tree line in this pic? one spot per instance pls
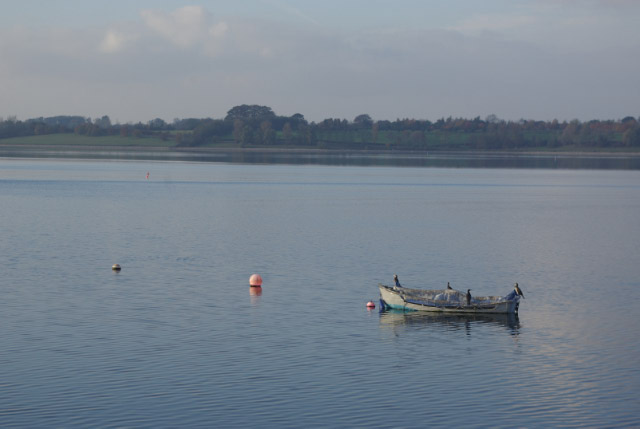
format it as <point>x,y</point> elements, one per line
<point>259,126</point>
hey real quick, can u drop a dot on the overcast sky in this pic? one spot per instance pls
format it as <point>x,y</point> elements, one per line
<point>136,60</point>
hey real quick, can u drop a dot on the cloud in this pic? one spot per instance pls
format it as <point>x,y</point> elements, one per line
<point>569,25</point>
<point>186,27</point>
<point>187,63</point>
<point>114,41</point>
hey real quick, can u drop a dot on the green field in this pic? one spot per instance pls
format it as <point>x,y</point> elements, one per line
<point>81,140</point>
<point>331,140</point>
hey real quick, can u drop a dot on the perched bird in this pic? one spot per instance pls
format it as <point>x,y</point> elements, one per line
<point>518,290</point>
<point>448,286</point>
<point>468,296</point>
<point>395,279</point>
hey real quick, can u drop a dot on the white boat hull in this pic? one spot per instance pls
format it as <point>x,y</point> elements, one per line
<point>427,300</point>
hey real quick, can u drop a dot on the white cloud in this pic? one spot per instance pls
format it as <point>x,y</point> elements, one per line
<point>185,63</point>
<point>185,27</point>
<point>218,30</point>
<point>113,41</point>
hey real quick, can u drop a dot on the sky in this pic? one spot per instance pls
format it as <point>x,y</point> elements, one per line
<point>136,60</point>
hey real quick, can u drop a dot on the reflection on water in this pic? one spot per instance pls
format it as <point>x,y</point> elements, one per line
<point>448,322</point>
<point>175,340</point>
<point>391,159</point>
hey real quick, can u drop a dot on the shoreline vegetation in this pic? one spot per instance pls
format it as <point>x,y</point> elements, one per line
<point>253,128</point>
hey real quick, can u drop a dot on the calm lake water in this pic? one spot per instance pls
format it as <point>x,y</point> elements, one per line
<point>177,340</point>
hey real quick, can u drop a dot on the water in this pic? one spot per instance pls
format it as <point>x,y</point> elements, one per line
<point>461,159</point>
<point>176,339</point>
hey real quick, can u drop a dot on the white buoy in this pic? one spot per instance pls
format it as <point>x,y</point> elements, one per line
<point>116,267</point>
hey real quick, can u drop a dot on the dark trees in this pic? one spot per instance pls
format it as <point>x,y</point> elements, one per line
<point>209,131</point>
<point>249,113</point>
<point>631,137</point>
<point>259,125</point>
<point>363,121</point>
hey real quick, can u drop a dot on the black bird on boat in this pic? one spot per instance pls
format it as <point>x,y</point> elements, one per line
<point>448,286</point>
<point>518,290</point>
<point>395,279</point>
<point>468,296</point>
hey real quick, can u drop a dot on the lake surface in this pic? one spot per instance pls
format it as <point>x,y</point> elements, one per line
<point>177,340</point>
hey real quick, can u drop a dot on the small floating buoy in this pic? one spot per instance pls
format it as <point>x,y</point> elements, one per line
<point>116,267</point>
<point>371,304</point>
<point>255,280</point>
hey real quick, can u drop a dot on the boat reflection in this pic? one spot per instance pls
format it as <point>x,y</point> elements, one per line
<point>454,322</point>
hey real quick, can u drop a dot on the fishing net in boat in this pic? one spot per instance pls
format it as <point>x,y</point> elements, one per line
<point>447,296</point>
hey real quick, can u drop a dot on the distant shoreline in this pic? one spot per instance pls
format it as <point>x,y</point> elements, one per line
<point>609,160</point>
<point>11,149</point>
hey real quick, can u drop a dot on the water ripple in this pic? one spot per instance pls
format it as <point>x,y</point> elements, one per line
<point>175,339</point>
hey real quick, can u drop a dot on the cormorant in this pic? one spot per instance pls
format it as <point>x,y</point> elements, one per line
<point>518,290</point>
<point>448,286</point>
<point>395,279</point>
<point>468,296</point>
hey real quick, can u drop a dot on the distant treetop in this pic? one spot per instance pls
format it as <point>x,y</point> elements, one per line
<point>363,119</point>
<point>249,112</point>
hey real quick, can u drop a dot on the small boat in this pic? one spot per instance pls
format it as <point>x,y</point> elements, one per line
<point>446,301</point>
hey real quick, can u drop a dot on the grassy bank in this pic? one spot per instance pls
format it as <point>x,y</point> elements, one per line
<point>82,140</point>
<point>329,142</point>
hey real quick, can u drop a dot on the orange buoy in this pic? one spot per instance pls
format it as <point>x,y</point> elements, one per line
<point>371,304</point>
<point>255,280</point>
